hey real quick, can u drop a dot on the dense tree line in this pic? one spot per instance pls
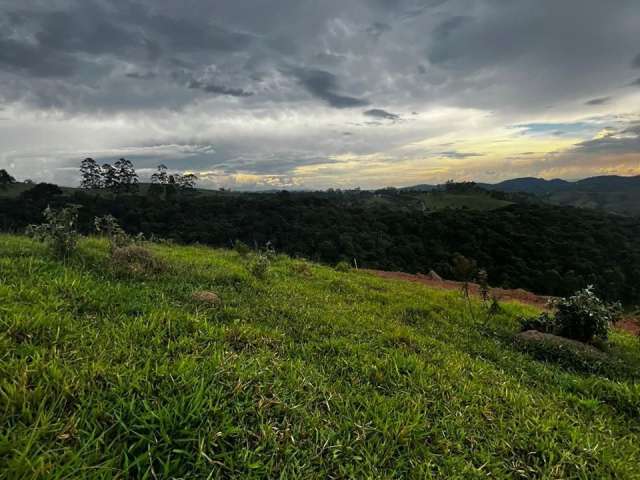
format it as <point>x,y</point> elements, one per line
<point>544,248</point>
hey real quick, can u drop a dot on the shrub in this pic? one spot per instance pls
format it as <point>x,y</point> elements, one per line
<point>343,266</point>
<point>584,316</point>
<point>241,248</point>
<point>109,226</point>
<point>59,231</point>
<point>136,260</point>
<point>260,266</point>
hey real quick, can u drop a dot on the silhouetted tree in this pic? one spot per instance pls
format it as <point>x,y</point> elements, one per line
<point>5,179</point>
<point>188,181</point>
<point>91,174</point>
<point>109,177</point>
<point>160,177</point>
<point>41,193</point>
<point>126,176</point>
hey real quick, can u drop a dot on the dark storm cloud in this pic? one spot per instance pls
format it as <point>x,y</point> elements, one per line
<point>142,76</point>
<point>449,26</point>
<point>598,101</point>
<point>33,60</point>
<point>324,85</point>
<point>623,141</point>
<point>377,29</point>
<point>218,89</point>
<point>268,70</point>
<point>635,83</point>
<point>379,113</point>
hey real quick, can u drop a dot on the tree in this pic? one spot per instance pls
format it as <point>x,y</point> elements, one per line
<point>5,179</point>
<point>109,177</point>
<point>188,181</point>
<point>41,193</point>
<point>91,174</point>
<point>126,176</point>
<point>160,177</point>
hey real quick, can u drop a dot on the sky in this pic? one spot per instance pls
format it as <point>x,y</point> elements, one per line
<point>313,94</point>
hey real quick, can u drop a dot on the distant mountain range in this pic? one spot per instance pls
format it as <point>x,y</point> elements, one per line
<point>612,193</point>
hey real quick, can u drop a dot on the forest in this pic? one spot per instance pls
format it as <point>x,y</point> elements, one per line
<point>546,249</point>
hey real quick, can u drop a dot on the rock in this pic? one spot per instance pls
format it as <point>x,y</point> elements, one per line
<point>534,338</point>
<point>206,297</point>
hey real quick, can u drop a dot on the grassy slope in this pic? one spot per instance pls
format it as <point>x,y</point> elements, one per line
<point>338,375</point>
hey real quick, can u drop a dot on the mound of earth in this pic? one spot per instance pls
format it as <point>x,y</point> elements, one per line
<point>536,338</point>
<point>206,297</point>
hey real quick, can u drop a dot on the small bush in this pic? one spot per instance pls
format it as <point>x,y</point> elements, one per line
<point>136,260</point>
<point>584,316</point>
<point>494,307</point>
<point>260,266</point>
<point>241,248</point>
<point>109,226</point>
<point>343,266</point>
<point>59,231</point>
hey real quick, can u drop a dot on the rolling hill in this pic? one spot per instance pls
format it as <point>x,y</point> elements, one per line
<point>305,372</point>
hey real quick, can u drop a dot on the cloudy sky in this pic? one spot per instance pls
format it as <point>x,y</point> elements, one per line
<point>253,94</point>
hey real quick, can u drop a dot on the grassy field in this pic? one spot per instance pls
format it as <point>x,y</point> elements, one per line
<point>307,373</point>
<point>440,201</point>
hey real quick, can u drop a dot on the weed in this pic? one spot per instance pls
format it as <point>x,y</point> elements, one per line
<point>59,231</point>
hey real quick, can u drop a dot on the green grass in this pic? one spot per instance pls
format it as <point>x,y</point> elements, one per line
<point>472,201</point>
<point>309,373</point>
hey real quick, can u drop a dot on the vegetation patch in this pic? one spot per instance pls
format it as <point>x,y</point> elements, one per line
<point>135,260</point>
<point>107,376</point>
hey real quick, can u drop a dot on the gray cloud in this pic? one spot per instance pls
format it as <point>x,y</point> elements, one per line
<point>324,85</point>
<point>377,29</point>
<point>379,113</point>
<point>129,73</point>
<point>598,101</point>
<point>219,89</point>
<point>450,25</point>
<point>458,155</point>
<point>32,60</point>
<point>142,76</point>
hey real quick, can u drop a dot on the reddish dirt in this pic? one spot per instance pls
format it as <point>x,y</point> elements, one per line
<point>629,324</point>
<point>502,294</point>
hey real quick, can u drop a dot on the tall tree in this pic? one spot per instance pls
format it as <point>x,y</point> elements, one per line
<point>126,175</point>
<point>91,174</point>
<point>5,179</point>
<point>160,177</point>
<point>109,177</point>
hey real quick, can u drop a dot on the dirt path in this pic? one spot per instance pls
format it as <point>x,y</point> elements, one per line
<point>630,324</point>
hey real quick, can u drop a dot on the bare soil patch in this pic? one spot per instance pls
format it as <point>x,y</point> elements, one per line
<point>501,294</point>
<point>629,324</point>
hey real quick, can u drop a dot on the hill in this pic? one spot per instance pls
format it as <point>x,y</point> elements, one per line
<point>307,373</point>
<point>611,193</point>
